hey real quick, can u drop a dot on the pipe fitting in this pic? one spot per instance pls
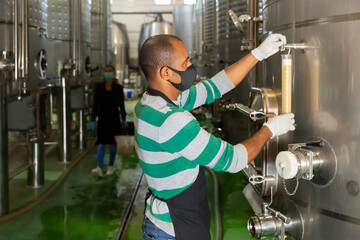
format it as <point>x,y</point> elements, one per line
<point>263,226</point>
<point>6,65</point>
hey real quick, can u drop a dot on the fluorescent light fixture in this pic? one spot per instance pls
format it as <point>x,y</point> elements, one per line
<point>162,2</point>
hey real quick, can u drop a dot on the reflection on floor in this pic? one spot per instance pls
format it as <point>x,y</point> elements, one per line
<point>83,207</point>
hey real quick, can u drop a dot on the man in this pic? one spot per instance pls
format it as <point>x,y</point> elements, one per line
<point>108,98</point>
<point>173,148</point>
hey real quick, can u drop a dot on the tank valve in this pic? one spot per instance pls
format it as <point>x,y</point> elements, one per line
<point>300,161</point>
<point>242,18</point>
<point>269,223</point>
<point>314,160</point>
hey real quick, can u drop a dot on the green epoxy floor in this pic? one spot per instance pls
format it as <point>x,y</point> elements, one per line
<point>83,207</point>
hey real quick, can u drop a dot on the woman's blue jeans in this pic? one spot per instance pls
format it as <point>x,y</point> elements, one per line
<point>101,154</point>
<point>153,232</point>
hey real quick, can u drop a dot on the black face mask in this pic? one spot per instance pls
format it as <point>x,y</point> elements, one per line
<point>188,77</point>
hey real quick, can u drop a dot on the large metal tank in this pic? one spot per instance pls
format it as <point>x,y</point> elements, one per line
<point>35,61</point>
<point>120,42</point>
<point>210,40</point>
<point>24,51</point>
<point>101,43</point>
<point>198,24</point>
<point>230,41</point>
<point>325,101</point>
<point>65,44</point>
<point>184,26</point>
<point>156,27</point>
<point>59,37</point>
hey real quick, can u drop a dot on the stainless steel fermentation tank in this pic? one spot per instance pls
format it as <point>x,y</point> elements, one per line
<point>232,45</point>
<point>318,187</point>
<point>101,41</point>
<point>184,26</point>
<point>23,72</point>
<point>120,46</point>
<point>155,27</point>
<point>69,48</point>
<point>217,45</point>
<point>198,24</point>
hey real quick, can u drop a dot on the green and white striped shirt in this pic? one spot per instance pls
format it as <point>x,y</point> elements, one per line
<point>171,145</point>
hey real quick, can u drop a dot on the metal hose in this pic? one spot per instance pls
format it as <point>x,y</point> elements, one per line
<point>218,222</point>
<point>122,230</point>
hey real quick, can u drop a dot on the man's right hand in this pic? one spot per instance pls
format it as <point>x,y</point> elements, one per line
<point>281,124</point>
<point>92,125</point>
<point>269,47</point>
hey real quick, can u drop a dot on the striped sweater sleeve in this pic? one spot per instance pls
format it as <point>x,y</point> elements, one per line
<point>206,92</point>
<point>181,134</point>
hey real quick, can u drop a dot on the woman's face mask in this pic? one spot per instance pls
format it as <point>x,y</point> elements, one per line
<point>188,78</point>
<point>108,75</point>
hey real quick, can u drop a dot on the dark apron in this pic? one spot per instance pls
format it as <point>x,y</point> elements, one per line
<point>189,210</point>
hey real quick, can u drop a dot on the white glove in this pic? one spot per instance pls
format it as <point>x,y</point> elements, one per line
<point>281,124</point>
<point>269,47</point>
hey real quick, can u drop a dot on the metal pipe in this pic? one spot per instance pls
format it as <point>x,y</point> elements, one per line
<point>266,226</point>
<point>82,129</point>
<point>80,55</point>
<point>105,11</point>
<point>36,173</point>
<point>25,51</point>
<point>64,122</point>
<point>6,65</point>
<point>4,167</point>
<point>16,41</point>
<point>74,21</point>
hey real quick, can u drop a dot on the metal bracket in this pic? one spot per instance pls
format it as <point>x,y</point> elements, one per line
<point>253,114</point>
<point>258,179</point>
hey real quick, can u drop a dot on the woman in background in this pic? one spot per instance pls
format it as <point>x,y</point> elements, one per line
<point>108,97</point>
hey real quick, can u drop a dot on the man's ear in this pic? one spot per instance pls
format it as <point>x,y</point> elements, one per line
<point>164,73</point>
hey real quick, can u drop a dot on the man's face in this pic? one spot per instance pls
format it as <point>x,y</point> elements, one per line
<point>181,61</point>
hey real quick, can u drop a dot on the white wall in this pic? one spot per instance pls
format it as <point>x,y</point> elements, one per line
<point>133,21</point>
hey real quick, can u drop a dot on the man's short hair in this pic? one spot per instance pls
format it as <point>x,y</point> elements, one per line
<point>156,52</point>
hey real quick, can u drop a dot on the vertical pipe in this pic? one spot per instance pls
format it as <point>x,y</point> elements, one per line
<point>106,29</point>
<point>82,129</point>
<point>25,52</point>
<point>36,176</point>
<point>286,83</point>
<point>74,47</point>
<point>80,55</point>
<point>314,70</point>
<point>16,41</point>
<point>4,167</point>
<point>64,120</point>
